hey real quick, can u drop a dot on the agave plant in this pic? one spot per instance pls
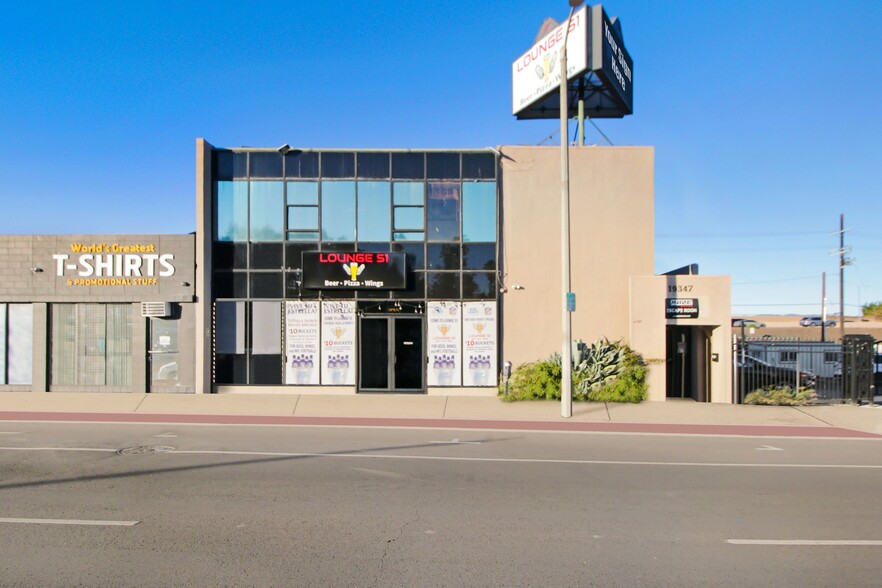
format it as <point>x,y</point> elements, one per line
<point>598,364</point>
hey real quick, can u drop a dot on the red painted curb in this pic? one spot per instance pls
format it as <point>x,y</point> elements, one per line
<point>575,426</point>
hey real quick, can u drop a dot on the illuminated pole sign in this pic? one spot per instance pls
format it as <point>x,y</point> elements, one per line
<point>614,64</point>
<point>600,72</point>
<point>354,270</point>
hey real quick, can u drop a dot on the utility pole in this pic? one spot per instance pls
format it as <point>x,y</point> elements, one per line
<point>823,306</point>
<point>842,276</point>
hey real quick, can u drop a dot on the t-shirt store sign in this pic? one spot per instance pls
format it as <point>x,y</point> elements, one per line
<point>354,270</point>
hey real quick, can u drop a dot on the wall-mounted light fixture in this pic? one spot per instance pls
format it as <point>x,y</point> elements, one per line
<point>185,284</point>
<point>284,149</point>
<point>519,287</point>
<point>37,269</point>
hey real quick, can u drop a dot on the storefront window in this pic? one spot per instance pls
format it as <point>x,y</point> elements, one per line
<point>479,211</point>
<point>373,210</point>
<point>91,344</point>
<point>338,211</point>
<point>231,219</point>
<point>16,343</point>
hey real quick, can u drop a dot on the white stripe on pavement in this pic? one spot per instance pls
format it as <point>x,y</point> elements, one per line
<point>480,459</point>
<point>71,522</point>
<point>834,542</point>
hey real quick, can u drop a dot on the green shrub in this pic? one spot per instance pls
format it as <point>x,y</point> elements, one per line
<point>782,396</point>
<point>603,372</point>
<point>629,386</point>
<point>534,381</point>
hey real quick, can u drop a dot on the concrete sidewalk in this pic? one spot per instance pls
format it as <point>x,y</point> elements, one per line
<point>417,410</point>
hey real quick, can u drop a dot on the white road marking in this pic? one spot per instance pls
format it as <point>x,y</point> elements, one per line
<point>829,542</point>
<point>11,432</point>
<point>71,522</point>
<point>166,435</point>
<point>768,448</point>
<point>92,449</point>
<point>834,466</point>
<point>455,442</point>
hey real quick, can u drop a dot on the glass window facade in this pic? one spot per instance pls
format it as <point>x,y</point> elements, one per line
<point>16,343</point>
<point>91,344</point>
<point>438,208</point>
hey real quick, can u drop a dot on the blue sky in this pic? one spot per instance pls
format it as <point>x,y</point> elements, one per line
<point>765,116</point>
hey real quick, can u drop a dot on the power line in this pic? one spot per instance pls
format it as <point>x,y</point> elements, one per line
<point>740,235</point>
<point>777,280</point>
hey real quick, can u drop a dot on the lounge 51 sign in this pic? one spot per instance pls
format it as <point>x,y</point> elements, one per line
<point>353,270</point>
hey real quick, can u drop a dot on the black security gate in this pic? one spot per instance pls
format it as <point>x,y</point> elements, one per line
<point>825,371</point>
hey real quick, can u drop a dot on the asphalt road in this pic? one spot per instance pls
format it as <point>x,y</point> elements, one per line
<point>317,506</point>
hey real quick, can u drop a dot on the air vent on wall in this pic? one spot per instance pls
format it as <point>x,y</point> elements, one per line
<point>156,309</point>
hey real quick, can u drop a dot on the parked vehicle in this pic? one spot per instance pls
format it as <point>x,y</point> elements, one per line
<point>760,374</point>
<point>816,321</point>
<point>747,323</point>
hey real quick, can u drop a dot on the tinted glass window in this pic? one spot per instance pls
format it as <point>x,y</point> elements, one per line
<point>373,247</point>
<point>442,285</point>
<point>302,218</point>
<point>416,258</point>
<point>229,285</point>
<point>222,255</point>
<point>294,253</point>
<point>266,369</point>
<point>374,211</point>
<point>409,166</point>
<point>231,212</point>
<point>479,285</point>
<point>442,166</point>
<point>416,286</point>
<point>373,165</point>
<point>267,222</point>
<point>301,165</point>
<point>409,217</point>
<point>442,211</point>
<point>231,369</point>
<point>266,256</point>
<point>338,211</point>
<point>408,236</point>
<point>338,246</point>
<point>479,211</point>
<point>480,256</point>
<point>409,193</point>
<point>229,327</point>
<point>338,165</point>
<point>266,328</point>
<point>266,165</point>
<point>222,162</point>
<point>443,256</point>
<point>266,284</point>
<point>302,193</point>
<point>478,166</point>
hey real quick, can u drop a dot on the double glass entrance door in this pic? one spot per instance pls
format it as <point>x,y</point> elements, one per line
<point>391,354</point>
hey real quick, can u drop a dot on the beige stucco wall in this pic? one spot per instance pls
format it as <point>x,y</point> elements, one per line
<point>648,327</point>
<point>612,217</point>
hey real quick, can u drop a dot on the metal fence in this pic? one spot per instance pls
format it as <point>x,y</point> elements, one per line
<point>849,370</point>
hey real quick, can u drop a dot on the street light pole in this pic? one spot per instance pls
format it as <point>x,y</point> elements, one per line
<point>566,356</point>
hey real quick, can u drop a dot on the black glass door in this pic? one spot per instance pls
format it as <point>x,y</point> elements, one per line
<point>408,353</point>
<point>392,354</point>
<point>374,350</point>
